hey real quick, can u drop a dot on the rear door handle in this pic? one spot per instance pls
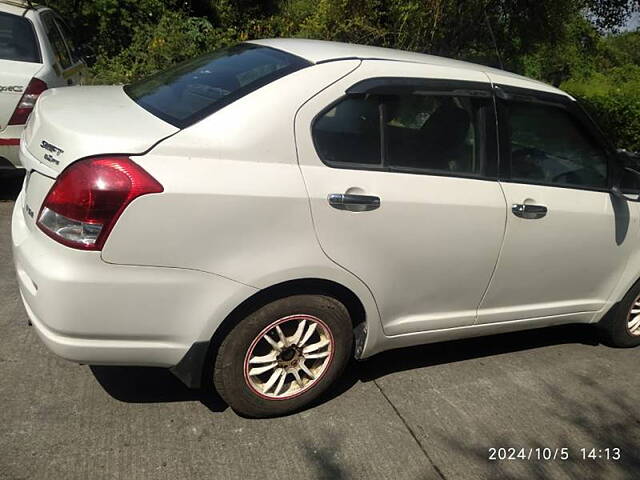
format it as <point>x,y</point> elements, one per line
<point>353,203</point>
<point>530,212</point>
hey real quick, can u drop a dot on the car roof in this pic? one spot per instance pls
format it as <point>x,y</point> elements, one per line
<point>18,7</point>
<point>320,51</point>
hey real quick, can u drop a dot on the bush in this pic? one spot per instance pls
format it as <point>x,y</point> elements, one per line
<point>619,116</point>
<point>176,37</point>
<point>613,99</point>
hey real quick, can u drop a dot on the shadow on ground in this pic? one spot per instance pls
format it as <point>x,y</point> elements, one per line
<point>467,349</point>
<point>10,184</point>
<point>151,385</point>
<point>603,419</point>
<point>460,350</point>
<point>321,458</point>
<point>154,385</point>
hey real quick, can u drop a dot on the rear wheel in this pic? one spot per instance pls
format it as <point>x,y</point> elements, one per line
<point>621,328</point>
<point>284,355</point>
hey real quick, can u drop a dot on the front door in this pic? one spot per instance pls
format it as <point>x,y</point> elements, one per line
<point>567,238</point>
<point>403,190</point>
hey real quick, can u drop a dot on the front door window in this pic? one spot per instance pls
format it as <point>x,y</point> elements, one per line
<point>548,146</point>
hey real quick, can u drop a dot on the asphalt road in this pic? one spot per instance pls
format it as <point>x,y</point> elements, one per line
<point>420,413</point>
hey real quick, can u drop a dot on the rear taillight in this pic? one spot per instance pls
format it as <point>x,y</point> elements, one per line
<point>86,200</point>
<point>27,102</point>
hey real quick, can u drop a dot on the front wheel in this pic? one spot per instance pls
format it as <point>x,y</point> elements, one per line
<point>621,327</point>
<point>284,355</point>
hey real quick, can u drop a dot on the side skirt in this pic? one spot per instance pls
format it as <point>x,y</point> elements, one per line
<point>433,336</point>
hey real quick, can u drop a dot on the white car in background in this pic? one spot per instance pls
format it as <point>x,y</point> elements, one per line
<point>257,216</point>
<point>36,53</point>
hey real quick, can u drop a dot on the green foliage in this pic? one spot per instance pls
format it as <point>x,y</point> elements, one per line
<point>609,14</point>
<point>175,38</point>
<point>614,100</point>
<point>562,42</point>
<point>345,21</point>
<point>602,72</point>
<point>572,55</point>
<point>619,116</point>
<point>109,25</point>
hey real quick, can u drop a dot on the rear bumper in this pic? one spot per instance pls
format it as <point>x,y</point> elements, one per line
<point>90,311</point>
<point>103,351</point>
<point>10,147</point>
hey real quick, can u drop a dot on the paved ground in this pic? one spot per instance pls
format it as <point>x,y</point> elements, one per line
<point>428,412</point>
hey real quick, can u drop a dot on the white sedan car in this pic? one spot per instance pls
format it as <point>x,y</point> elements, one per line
<point>257,216</point>
<point>36,53</point>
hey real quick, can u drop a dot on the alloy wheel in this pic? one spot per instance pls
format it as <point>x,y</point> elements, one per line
<point>633,319</point>
<point>288,357</point>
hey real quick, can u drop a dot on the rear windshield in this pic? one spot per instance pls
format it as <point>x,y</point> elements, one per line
<point>17,39</point>
<point>195,89</point>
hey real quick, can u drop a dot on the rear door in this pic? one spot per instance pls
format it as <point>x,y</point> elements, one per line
<point>401,173</point>
<point>567,239</point>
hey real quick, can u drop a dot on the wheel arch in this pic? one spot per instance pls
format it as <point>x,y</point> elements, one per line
<point>196,366</point>
<point>629,278</point>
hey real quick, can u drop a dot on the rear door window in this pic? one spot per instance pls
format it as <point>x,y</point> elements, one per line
<point>67,37</point>
<point>432,133</point>
<point>191,91</point>
<point>57,42</point>
<point>436,133</point>
<point>18,39</point>
<point>349,133</point>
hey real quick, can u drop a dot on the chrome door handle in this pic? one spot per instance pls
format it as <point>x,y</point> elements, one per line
<point>531,212</point>
<point>353,203</point>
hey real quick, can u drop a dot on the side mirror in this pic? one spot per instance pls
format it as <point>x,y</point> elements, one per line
<point>629,197</point>
<point>628,179</point>
<point>87,54</point>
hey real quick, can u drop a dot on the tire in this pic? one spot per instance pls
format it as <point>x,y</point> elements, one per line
<point>615,326</point>
<point>318,357</point>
